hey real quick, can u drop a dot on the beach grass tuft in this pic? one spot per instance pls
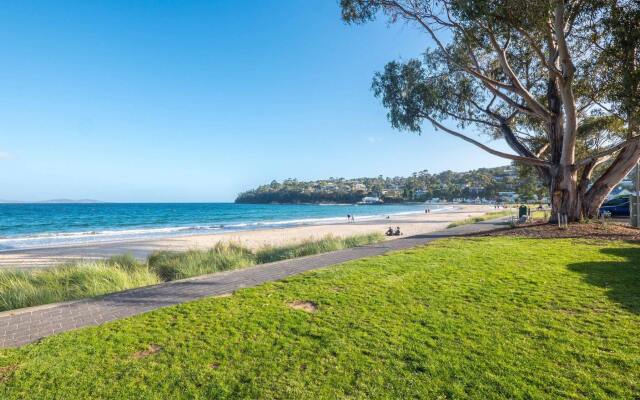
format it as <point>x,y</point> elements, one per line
<point>172,265</point>
<point>26,288</point>
<point>65,282</point>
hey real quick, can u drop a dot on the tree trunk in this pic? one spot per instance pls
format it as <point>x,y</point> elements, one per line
<point>621,166</point>
<point>565,196</point>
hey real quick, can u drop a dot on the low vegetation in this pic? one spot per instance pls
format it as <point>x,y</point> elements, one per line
<point>482,318</point>
<point>485,217</point>
<point>271,254</point>
<point>172,265</point>
<point>25,288</point>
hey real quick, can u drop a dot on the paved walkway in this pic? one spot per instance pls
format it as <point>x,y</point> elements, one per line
<point>27,325</point>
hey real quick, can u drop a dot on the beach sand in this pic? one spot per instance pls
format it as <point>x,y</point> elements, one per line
<point>412,224</point>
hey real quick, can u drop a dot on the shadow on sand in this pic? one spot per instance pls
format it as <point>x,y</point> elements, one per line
<point>620,278</point>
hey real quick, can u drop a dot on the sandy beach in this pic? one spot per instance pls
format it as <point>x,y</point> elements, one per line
<point>412,224</point>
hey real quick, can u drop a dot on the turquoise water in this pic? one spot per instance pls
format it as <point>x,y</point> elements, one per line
<point>25,226</point>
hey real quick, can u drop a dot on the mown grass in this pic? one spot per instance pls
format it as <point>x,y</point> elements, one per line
<point>482,318</point>
<point>20,289</point>
<point>484,217</point>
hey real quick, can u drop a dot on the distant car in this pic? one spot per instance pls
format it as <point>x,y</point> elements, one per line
<point>618,207</point>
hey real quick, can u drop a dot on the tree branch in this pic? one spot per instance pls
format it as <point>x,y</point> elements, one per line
<point>534,104</point>
<point>608,151</point>
<point>526,160</point>
<point>542,150</point>
<point>469,119</point>
<point>489,83</point>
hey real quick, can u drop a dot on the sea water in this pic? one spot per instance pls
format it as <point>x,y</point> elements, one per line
<point>26,226</point>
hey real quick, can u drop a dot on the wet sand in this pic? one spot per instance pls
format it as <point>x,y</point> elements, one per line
<point>412,224</point>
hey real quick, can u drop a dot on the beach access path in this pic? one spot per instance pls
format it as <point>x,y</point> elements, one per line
<point>27,325</point>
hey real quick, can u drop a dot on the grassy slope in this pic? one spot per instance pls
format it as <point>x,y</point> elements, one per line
<point>478,318</point>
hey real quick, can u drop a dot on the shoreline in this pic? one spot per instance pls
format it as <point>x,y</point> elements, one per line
<point>41,240</point>
<point>410,224</point>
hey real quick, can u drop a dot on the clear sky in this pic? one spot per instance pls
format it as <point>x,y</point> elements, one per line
<point>199,100</point>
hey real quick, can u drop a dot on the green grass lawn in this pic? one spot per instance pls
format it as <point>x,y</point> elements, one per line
<point>462,318</point>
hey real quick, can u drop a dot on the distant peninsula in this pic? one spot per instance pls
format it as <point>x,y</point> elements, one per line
<point>476,185</point>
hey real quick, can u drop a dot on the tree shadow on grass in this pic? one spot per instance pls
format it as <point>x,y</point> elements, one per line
<point>620,278</point>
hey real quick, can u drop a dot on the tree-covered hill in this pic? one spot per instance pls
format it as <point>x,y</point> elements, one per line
<point>483,183</point>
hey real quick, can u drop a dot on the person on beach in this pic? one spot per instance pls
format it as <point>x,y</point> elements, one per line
<point>389,232</point>
<point>397,232</point>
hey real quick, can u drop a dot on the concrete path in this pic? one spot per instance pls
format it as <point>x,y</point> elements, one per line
<point>19,327</point>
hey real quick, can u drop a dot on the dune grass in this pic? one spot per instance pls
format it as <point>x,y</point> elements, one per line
<point>484,217</point>
<point>172,265</point>
<point>310,247</point>
<point>482,318</point>
<point>20,288</point>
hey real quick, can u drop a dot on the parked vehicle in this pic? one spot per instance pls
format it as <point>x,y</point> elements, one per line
<point>618,207</point>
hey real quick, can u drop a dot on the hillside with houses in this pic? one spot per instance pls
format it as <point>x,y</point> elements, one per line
<point>505,183</point>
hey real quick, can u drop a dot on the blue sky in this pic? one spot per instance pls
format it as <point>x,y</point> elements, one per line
<point>198,100</point>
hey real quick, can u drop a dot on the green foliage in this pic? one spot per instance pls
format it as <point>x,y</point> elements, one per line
<point>484,318</point>
<point>617,68</point>
<point>530,186</point>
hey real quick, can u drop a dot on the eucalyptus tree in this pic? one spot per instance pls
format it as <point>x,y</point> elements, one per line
<point>556,79</point>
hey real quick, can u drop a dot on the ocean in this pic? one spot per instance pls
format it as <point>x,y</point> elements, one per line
<point>28,226</point>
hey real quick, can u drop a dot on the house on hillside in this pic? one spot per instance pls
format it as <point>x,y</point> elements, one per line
<point>330,187</point>
<point>359,187</point>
